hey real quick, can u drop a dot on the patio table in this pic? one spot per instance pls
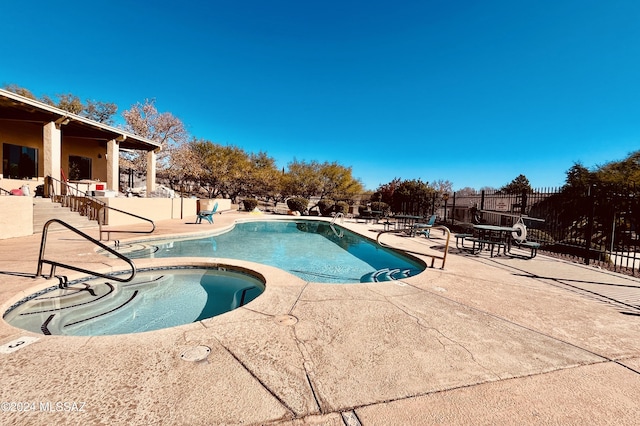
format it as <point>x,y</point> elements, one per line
<point>491,235</point>
<point>406,221</point>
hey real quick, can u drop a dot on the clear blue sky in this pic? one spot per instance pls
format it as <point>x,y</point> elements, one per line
<point>474,92</point>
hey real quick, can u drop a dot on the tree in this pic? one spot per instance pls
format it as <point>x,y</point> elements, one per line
<point>622,172</point>
<point>221,170</point>
<point>386,191</point>
<point>488,188</point>
<point>517,186</point>
<point>302,179</point>
<point>264,178</point>
<point>324,180</point>
<point>579,178</point>
<point>183,166</point>
<point>466,191</point>
<point>67,102</point>
<point>337,182</point>
<point>164,128</point>
<point>102,112</point>
<point>413,197</point>
<point>442,186</point>
<point>20,91</point>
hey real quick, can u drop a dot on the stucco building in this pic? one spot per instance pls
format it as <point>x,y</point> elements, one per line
<point>39,140</point>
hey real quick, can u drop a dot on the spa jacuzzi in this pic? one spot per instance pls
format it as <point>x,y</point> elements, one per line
<point>156,298</point>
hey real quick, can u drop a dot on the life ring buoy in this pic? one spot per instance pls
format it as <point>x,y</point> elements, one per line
<point>520,233</point>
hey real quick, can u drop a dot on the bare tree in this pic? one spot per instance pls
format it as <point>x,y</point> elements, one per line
<point>164,128</point>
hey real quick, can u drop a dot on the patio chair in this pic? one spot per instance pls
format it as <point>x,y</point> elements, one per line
<point>207,214</point>
<point>425,228</point>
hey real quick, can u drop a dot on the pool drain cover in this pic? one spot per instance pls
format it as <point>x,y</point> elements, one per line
<point>195,354</point>
<point>286,320</point>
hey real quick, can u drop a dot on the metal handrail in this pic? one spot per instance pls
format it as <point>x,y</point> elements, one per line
<point>432,256</point>
<point>54,264</point>
<point>333,221</point>
<point>100,215</point>
<point>77,191</point>
<point>89,210</point>
<point>335,231</point>
<point>101,219</point>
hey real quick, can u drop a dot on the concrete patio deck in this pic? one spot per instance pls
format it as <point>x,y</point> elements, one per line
<point>482,341</point>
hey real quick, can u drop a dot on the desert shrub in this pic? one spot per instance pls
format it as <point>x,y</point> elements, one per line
<point>341,207</point>
<point>326,207</point>
<point>297,204</point>
<point>250,204</point>
<point>381,206</point>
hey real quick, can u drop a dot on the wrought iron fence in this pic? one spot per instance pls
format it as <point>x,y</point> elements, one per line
<point>596,225</point>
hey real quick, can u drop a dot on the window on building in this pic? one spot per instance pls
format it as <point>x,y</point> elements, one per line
<point>79,167</point>
<point>19,162</point>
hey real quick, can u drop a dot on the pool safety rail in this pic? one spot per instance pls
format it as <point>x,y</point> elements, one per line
<point>432,256</point>
<point>102,217</point>
<point>336,216</point>
<point>54,264</point>
<point>337,233</point>
<point>86,205</point>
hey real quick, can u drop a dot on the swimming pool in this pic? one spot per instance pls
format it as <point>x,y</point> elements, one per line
<point>313,250</point>
<point>156,298</point>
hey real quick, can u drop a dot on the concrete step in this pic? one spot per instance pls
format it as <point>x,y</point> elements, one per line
<point>44,210</point>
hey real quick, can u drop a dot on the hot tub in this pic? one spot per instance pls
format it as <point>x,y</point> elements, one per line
<point>156,298</point>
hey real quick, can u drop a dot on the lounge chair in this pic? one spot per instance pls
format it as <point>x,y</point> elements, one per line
<point>207,214</point>
<point>425,228</point>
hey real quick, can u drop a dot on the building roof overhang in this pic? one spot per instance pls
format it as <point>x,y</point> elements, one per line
<point>14,107</point>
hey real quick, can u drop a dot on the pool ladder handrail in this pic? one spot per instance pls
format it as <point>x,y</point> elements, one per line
<point>102,219</point>
<point>54,264</point>
<point>336,216</point>
<point>333,221</point>
<point>432,256</point>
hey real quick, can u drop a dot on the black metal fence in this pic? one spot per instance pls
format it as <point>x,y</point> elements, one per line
<point>597,225</point>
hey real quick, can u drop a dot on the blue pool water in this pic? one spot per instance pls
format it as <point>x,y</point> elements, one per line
<point>154,299</point>
<point>312,250</point>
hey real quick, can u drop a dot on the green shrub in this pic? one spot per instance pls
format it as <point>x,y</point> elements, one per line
<point>297,204</point>
<point>250,204</point>
<point>341,207</point>
<point>326,207</point>
<point>381,207</point>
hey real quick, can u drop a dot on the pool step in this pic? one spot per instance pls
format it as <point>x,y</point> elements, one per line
<point>60,311</point>
<point>126,295</point>
<point>387,274</point>
<point>45,311</point>
<point>74,295</point>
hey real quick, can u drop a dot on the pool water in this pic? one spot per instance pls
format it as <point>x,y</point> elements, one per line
<point>155,299</point>
<point>313,250</point>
